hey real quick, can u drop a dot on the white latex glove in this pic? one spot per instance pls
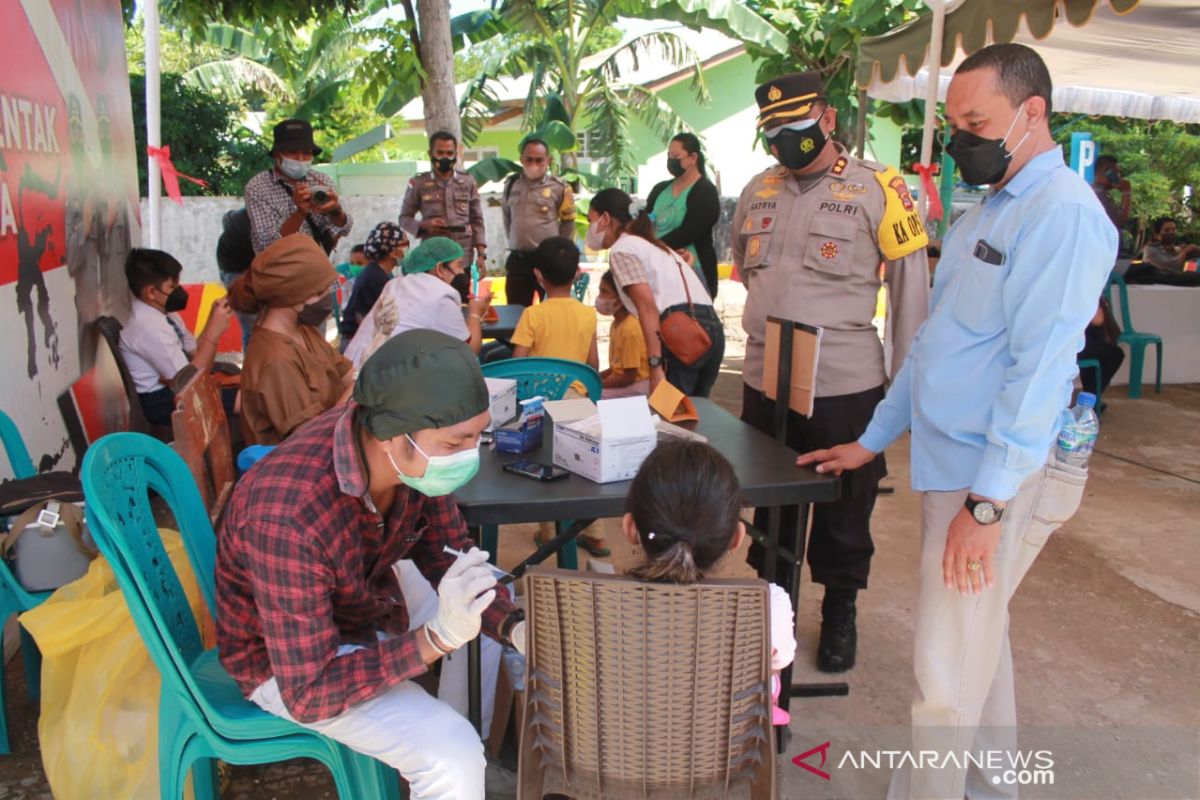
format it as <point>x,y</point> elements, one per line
<point>517,637</point>
<point>460,604</point>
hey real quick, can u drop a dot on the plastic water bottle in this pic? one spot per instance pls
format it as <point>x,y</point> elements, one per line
<point>1077,436</point>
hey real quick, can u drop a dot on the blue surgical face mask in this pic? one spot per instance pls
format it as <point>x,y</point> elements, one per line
<point>443,474</point>
<point>296,170</point>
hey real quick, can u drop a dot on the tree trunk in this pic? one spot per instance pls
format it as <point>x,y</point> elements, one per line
<point>437,58</point>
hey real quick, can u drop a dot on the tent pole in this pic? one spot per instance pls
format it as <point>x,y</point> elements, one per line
<point>153,121</point>
<point>933,70</point>
<point>860,127</point>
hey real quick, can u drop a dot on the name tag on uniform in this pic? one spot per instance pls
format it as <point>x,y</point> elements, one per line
<point>988,254</point>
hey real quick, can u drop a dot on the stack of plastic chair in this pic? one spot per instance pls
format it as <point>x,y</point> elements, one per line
<point>203,715</point>
<point>639,689</point>
<point>1137,341</point>
<point>549,378</point>
<point>14,598</point>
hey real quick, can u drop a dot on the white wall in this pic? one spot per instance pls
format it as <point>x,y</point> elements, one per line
<point>190,232</point>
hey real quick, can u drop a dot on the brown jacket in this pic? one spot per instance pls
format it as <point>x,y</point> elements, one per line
<point>286,382</point>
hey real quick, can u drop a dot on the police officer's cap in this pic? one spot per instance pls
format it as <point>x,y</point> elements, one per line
<point>788,98</point>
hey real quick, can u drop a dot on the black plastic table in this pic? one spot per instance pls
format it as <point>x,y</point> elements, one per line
<point>766,469</point>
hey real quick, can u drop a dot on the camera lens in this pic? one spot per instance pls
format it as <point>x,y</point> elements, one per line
<point>320,196</point>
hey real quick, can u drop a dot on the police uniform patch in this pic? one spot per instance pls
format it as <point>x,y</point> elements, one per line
<point>769,179</point>
<point>766,222</point>
<point>546,192</point>
<point>829,251</point>
<point>839,166</point>
<point>898,186</point>
<point>767,193</point>
<point>753,248</point>
<point>749,226</point>
<point>846,191</point>
<point>425,198</point>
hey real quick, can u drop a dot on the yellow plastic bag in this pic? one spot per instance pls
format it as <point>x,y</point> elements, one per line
<point>99,721</point>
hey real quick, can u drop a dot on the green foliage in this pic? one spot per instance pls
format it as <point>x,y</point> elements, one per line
<point>1158,158</point>
<point>823,35</point>
<point>549,42</point>
<point>205,135</point>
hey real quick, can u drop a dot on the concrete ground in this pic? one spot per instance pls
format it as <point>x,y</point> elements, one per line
<point>1105,633</point>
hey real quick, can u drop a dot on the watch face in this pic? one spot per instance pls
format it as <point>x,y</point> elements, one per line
<point>985,513</point>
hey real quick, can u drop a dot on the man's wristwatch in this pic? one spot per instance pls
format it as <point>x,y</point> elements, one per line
<point>985,512</point>
<point>655,361</point>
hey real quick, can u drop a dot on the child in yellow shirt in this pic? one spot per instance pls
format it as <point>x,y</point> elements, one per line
<point>560,326</point>
<point>628,372</point>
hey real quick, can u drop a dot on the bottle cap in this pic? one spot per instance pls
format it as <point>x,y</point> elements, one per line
<point>1086,399</point>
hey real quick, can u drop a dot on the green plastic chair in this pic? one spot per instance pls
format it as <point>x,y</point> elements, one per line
<point>550,378</point>
<point>1136,340</point>
<point>15,598</point>
<point>580,287</point>
<point>1098,387</point>
<point>202,713</point>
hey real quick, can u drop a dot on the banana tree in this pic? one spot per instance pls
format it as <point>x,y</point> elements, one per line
<point>555,44</point>
<point>304,71</point>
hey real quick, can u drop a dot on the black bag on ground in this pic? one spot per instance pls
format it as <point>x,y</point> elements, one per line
<point>18,495</point>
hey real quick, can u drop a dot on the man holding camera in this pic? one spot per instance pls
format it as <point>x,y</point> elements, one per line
<point>292,198</point>
<point>446,200</point>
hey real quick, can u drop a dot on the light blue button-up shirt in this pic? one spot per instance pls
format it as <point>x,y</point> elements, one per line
<point>990,371</point>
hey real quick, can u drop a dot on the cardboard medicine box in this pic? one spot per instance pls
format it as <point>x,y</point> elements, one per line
<point>605,441</point>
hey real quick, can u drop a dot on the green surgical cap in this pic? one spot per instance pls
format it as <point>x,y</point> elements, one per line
<point>419,379</point>
<point>429,253</point>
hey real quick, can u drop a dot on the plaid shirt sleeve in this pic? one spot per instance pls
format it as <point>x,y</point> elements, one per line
<point>447,527</point>
<point>268,207</point>
<point>293,584</point>
<point>627,269</point>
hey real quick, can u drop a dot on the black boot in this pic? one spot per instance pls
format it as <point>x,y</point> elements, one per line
<point>839,636</point>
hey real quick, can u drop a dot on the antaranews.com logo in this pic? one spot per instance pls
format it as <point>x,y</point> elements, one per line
<point>1005,767</point>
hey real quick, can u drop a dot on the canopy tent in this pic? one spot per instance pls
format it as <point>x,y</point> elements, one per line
<point>1122,58</point>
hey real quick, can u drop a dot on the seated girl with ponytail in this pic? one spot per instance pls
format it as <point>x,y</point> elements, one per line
<point>683,512</point>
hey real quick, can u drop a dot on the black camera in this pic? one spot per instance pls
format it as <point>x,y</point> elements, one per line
<point>320,197</point>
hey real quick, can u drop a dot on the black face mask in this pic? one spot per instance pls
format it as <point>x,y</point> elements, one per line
<point>981,161</point>
<point>675,167</point>
<point>315,314</point>
<point>462,284</point>
<point>1168,239</point>
<point>798,149</point>
<point>442,165</point>
<point>176,301</point>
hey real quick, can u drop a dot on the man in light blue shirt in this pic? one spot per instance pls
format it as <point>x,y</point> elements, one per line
<point>982,390</point>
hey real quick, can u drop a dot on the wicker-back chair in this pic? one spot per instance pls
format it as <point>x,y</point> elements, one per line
<point>646,690</point>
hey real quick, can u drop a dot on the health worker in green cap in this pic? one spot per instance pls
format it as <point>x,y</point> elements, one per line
<point>431,294</point>
<point>808,237</point>
<point>335,588</point>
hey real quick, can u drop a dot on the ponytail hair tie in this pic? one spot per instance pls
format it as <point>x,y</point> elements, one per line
<point>636,209</point>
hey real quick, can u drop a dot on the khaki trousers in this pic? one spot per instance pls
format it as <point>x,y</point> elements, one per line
<point>964,700</point>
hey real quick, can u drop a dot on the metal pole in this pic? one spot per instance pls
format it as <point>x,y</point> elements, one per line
<point>933,69</point>
<point>153,122</point>
<point>860,126</point>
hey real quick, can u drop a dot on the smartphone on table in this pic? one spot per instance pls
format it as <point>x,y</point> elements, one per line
<point>536,470</point>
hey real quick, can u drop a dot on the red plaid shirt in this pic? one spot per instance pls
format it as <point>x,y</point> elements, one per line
<point>304,565</point>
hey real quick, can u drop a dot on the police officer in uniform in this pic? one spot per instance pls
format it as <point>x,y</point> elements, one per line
<point>445,202</point>
<point>537,205</point>
<point>808,239</point>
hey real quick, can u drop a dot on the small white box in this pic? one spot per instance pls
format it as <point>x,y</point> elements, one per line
<point>502,400</point>
<point>603,442</point>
